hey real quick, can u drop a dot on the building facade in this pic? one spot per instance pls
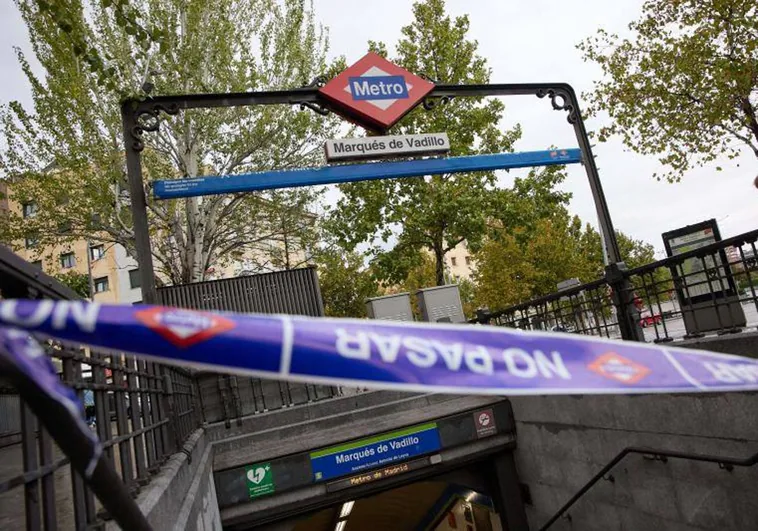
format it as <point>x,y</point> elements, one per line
<point>114,273</point>
<point>459,263</point>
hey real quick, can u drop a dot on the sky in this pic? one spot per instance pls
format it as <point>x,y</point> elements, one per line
<point>527,41</point>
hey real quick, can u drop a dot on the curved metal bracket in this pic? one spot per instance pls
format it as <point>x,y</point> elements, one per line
<point>432,102</point>
<point>315,107</point>
<point>317,83</point>
<point>561,101</point>
<point>148,120</point>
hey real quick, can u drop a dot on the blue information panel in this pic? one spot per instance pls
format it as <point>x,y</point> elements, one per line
<point>375,451</point>
<point>266,180</point>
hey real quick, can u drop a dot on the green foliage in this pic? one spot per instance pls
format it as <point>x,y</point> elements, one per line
<point>467,291</point>
<point>528,262</point>
<point>79,282</point>
<point>345,283</point>
<point>436,212</point>
<point>685,86</point>
<point>66,154</point>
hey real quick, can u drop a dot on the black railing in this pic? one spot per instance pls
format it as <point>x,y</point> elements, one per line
<point>726,463</point>
<point>710,290</point>
<point>141,411</point>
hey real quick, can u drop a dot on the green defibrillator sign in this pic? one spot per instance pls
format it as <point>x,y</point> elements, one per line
<point>259,479</point>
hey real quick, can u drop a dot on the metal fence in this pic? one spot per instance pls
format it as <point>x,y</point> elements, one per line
<point>711,290</point>
<point>295,292</point>
<point>141,411</point>
<point>292,292</point>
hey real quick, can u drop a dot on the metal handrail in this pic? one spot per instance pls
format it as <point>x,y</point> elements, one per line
<point>747,237</point>
<point>546,298</point>
<point>724,462</point>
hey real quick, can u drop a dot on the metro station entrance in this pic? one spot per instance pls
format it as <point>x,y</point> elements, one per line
<point>426,505</point>
<point>481,495</point>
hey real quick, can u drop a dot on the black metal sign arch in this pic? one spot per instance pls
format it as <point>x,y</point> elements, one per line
<point>140,116</point>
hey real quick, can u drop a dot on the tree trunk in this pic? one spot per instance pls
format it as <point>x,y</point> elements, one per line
<point>439,258</point>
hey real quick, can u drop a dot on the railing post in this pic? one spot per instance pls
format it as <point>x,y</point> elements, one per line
<point>483,315</point>
<point>623,300</point>
<point>170,410</point>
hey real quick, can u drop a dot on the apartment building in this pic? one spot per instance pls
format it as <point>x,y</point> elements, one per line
<point>459,263</point>
<point>115,274</point>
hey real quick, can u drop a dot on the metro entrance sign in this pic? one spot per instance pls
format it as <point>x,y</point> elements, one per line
<point>375,93</point>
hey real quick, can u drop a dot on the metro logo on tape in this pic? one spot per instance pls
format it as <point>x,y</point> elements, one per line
<point>375,93</point>
<point>183,328</point>
<point>618,368</point>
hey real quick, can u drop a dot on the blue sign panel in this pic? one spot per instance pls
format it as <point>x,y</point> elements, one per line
<point>374,452</point>
<point>267,180</point>
<point>378,88</point>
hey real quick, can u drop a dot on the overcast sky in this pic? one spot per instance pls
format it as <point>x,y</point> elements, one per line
<point>527,41</point>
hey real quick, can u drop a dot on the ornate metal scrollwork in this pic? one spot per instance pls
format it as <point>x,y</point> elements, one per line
<point>315,107</point>
<point>318,82</point>
<point>561,101</point>
<point>433,102</point>
<point>148,120</point>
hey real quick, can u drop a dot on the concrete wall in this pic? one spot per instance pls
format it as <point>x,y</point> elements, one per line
<point>182,495</point>
<point>564,441</point>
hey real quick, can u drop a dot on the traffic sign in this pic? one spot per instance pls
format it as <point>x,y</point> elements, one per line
<point>268,180</point>
<point>375,93</point>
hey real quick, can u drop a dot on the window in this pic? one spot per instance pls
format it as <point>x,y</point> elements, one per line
<point>134,279</point>
<point>101,284</point>
<point>68,260</point>
<point>37,264</point>
<point>96,252</point>
<point>64,227</point>
<point>29,209</point>
<point>452,261</point>
<point>468,260</point>
<point>30,243</point>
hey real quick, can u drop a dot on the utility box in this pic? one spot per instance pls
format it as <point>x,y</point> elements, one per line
<point>390,308</point>
<point>441,304</point>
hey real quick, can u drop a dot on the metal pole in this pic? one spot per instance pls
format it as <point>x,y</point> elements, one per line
<point>138,206</point>
<point>607,233</point>
<point>90,280</point>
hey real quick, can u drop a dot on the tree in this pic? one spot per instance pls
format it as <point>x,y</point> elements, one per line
<point>685,86</point>
<point>79,282</point>
<point>295,230</point>
<point>503,276</point>
<point>66,154</point>
<point>345,283</point>
<point>515,266</point>
<point>437,212</point>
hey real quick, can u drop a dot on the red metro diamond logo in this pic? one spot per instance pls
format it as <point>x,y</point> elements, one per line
<point>616,367</point>
<point>183,328</point>
<point>375,93</point>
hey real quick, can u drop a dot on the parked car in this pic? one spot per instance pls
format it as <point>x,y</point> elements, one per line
<point>648,320</point>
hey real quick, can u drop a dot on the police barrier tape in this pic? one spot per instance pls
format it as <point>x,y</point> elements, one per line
<point>381,354</point>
